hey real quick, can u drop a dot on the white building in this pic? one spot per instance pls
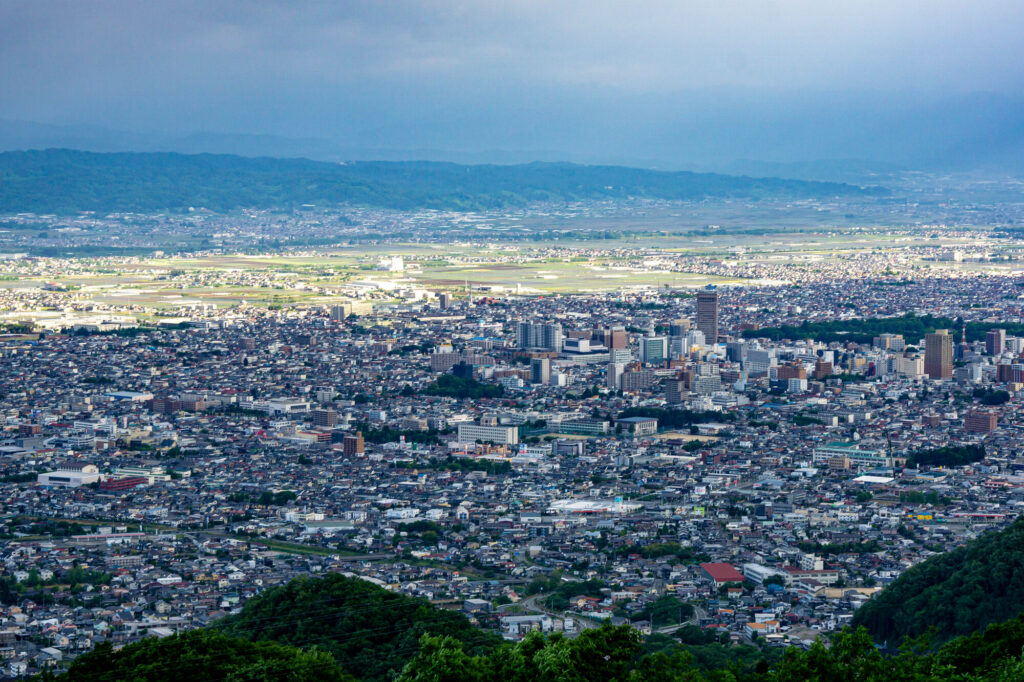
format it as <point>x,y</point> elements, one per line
<point>501,435</point>
<point>70,478</point>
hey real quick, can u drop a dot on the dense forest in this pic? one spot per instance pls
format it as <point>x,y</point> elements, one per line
<point>144,182</point>
<point>912,327</point>
<point>605,654</point>
<point>958,592</point>
<point>204,655</point>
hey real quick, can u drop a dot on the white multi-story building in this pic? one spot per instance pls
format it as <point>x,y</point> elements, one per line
<point>501,435</point>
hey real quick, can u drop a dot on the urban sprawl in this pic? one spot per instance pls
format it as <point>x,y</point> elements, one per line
<point>659,455</point>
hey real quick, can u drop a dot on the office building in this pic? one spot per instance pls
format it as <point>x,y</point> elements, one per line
<point>444,300</point>
<point>675,391</point>
<point>654,350</point>
<point>540,371</point>
<point>736,351</point>
<point>616,337</point>
<point>995,341</point>
<point>679,327</point>
<point>620,356</point>
<point>707,313</point>
<point>938,355</point>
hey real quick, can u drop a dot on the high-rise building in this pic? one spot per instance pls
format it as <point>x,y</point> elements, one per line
<point>444,300</point>
<point>995,341</point>
<point>822,369</point>
<point>654,350</point>
<point>339,313</point>
<point>679,327</point>
<point>540,371</point>
<point>707,313</point>
<point>615,370</point>
<point>675,391</point>
<point>463,370</point>
<point>736,351</point>
<point>545,336</point>
<point>353,444</point>
<point>938,354</point>
<point>615,337</point>
<point>622,356</point>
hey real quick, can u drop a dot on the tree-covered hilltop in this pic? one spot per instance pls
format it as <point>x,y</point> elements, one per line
<point>204,655</point>
<point>912,327</point>
<point>370,631</point>
<point>67,181</point>
<point>958,592</point>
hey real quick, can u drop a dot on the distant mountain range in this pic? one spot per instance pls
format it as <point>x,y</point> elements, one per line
<point>858,137</point>
<point>65,181</point>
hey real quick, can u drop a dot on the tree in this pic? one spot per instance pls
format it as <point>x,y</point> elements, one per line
<point>204,655</point>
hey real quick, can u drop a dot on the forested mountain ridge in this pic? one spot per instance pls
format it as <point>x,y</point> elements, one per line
<point>959,592</point>
<point>66,181</point>
<point>370,631</point>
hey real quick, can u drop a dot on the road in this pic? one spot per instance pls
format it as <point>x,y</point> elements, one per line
<point>699,614</point>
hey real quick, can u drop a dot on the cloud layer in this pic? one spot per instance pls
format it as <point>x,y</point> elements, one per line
<point>424,70</point>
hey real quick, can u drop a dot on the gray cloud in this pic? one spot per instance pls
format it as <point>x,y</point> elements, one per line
<point>365,71</point>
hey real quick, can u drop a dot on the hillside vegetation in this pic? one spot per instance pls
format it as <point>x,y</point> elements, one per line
<point>370,631</point>
<point>959,592</point>
<point>65,181</point>
<point>204,655</point>
<point>339,629</point>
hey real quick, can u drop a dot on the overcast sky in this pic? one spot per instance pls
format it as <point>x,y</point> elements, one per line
<point>351,70</point>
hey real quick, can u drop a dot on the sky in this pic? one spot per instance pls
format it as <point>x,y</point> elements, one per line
<point>665,82</point>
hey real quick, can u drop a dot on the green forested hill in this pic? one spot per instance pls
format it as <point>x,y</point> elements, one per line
<point>376,635</point>
<point>204,655</point>
<point>371,632</point>
<point>958,592</point>
<point>67,181</point>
